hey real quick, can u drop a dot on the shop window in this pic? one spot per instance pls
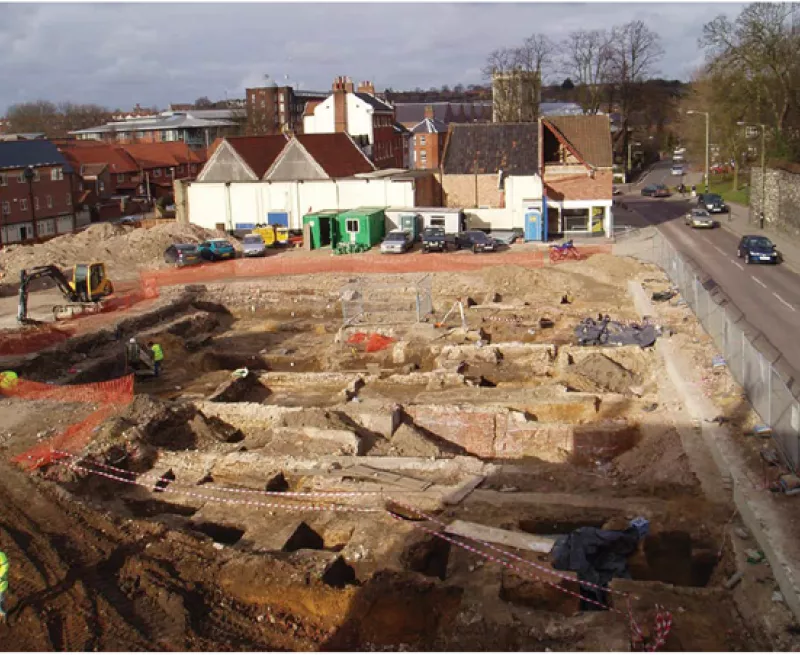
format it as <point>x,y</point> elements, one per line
<point>575,220</point>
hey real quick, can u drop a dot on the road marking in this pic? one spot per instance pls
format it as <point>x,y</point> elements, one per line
<point>720,250</point>
<point>784,302</point>
<point>755,279</point>
<point>737,264</point>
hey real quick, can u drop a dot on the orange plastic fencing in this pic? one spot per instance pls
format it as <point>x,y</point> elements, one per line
<point>374,342</point>
<point>111,396</point>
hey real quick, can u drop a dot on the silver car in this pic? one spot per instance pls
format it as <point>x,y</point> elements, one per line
<point>397,241</point>
<point>700,218</point>
<point>253,246</point>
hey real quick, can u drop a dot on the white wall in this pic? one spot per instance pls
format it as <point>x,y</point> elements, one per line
<point>359,118</point>
<point>64,224</point>
<point>251,201</point>
<point>322,120</point>
<point>521,191</point>
<point>493,219</point>
<point>11,233</point>
<point>46,227</point>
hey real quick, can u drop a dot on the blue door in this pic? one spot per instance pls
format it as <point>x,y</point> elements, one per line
<point>278,218</point>
<point>533,225</point>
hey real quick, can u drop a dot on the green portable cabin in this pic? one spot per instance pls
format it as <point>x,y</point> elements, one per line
<point>323,227</point>
<point>364,225</point>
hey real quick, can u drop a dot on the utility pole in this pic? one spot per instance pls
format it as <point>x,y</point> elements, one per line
<point>708,131</point>
<point>763,129</point>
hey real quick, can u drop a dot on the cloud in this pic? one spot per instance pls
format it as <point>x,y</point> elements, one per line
<point>120,54</point>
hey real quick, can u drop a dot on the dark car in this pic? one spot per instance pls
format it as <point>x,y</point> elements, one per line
<point>435,238</point>
<point>476,240</point>
<point>182,254</point>
<point>655,191</point>
<point>712,203</point>
<point>757,249</point>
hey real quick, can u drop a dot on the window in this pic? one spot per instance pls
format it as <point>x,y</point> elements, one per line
<point>156,172</point>
<point>69,199</point>
<point>101,186</point>
<point>423,156</point>
<point>35,174</point>
<point>49,200</point>
<point>36,202</point>
<point>21,177</point>
<point>23,204</point>
<point>575,220</point>
<point>56,174</point>
<point>421,138</point>
<point>6,208</point>
<point>351,225</point>
<point>3,180</point>
<point>120,178</point>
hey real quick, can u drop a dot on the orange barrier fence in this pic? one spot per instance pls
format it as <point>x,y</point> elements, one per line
<point>111,396</point>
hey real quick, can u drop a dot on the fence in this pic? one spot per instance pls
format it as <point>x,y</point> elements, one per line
<point>367,302</point>
<point>755,364</point>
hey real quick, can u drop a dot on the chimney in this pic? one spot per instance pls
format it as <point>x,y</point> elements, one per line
<point>340,104</point>
<point>429,112</point>
<point>348,85</point>
<point>366,87</point>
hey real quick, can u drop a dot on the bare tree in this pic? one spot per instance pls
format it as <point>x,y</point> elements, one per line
<point>515,74</point>
<point>203,103</point>
<point>38,116</point>
<point>587,58</point>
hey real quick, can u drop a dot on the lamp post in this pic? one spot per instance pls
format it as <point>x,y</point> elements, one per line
<point>29,175</point>
<point>704,113</point>
<point>630,145</point>
<point>763,129</point>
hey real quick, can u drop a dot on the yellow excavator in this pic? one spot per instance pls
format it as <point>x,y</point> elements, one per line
<point>87,285</point>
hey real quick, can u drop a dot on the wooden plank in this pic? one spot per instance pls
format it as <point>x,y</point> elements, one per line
<point>365,472</point>
<point>464,490</point>
<point>508,538</point>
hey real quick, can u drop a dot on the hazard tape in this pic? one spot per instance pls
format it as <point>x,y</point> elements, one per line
<point>298,494</point>
<point>255,503</point>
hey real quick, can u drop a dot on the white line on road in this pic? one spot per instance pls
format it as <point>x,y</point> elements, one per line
<point>720,250</point>
<point>737,264</point>
<point>755,279</point>
<point>784,302</point>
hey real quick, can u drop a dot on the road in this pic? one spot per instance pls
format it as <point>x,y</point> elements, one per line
<point>769,296</point>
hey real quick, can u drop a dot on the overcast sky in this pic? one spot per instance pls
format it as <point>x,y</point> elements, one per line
<point>119,54</point>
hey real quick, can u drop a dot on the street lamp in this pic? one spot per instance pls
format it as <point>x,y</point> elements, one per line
<point>705,113</point>
<point>763,129</point>
<point>29,175</point>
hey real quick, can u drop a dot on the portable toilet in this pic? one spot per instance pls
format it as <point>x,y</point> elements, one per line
<point>410,223</point>
<point>322,227</point>
<point>364,225</point>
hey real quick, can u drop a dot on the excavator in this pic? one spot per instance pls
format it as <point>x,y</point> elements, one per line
<point>84,291</point>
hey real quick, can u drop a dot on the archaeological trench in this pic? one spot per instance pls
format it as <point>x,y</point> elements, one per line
<point>212,484</point>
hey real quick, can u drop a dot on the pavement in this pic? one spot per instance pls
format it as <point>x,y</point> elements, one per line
<point>767,295</point>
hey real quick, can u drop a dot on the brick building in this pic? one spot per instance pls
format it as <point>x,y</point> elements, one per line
<point>369,120</point>
<point>428,139</point>
<point>278,109</point>
<point>37,191</point>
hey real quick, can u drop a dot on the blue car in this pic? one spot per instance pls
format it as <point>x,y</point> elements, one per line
<point>757,249</point>
<point>216,249</point>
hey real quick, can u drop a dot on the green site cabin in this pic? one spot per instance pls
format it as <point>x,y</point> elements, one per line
<point>323,228</point>
<point>364,225</point>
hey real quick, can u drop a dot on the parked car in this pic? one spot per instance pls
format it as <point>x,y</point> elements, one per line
<point>656,191</point>
<point>720,169</point>
<point>216,249</point>
<point>475,239</point>
<point>700,218</point>
<point>253,245</point>
<point>182,254</point>
<point>712,202</point>
<point>678,169</point>
<point>434,238</point>
<point>754,248</point>
<point>616,191</point>
<point>397,241</point>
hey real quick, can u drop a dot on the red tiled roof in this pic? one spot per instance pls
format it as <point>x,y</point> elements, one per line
<point>116,158</point>
<point>162,155</point>
<point>258,152</point>
<point>589,135</point>
<point>93,169</point>
<point>336,153</point>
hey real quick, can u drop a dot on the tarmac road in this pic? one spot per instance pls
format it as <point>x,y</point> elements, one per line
<point>769,296</point>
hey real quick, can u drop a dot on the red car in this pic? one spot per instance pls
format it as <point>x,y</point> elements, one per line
<point>656,191</point>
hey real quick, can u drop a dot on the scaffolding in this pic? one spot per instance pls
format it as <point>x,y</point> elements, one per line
<point>368,302</point>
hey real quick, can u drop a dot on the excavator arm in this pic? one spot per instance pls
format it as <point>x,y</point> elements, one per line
<point>29,275</point>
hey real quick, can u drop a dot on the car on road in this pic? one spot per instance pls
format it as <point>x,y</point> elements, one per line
<point>616,191</point>
<point>757,249</point>
<point>678,169</point>
<point>397,241</point>
<point>713,203</point>
<point>656,191</point>
<point>182,254</point>
<point>253,245</point>
<point>476,240</point>
<point>216,249</point>
<point>700,218</point>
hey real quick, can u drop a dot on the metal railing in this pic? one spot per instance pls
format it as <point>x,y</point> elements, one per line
<point>770,384</point>
<point>368,302</point>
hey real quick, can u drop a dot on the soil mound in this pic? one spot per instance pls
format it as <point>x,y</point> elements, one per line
<point>658,460</point>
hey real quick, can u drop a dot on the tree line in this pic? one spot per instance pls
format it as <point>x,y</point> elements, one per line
<point>53,119</point>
